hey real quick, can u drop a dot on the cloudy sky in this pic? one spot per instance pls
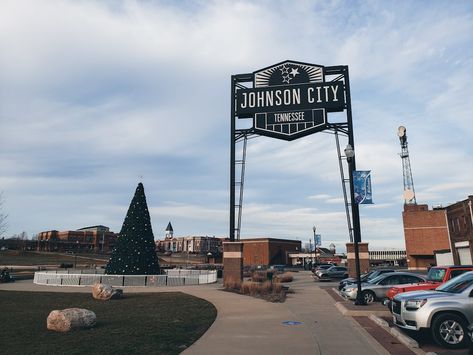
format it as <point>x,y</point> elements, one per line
<point>96,96</point>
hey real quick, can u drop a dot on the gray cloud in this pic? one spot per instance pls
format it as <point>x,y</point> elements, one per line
<point>96,94</point>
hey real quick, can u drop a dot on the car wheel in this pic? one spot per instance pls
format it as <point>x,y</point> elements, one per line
<point>368,297</point>
<point>449,330</point>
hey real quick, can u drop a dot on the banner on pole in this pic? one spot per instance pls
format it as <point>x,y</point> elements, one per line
<point>318,240</point>
<point>362,187</point>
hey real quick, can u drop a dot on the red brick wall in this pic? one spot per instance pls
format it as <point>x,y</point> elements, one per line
<point>424,231</point>
<point>232,262</point>
<point>279,249</point>
<point>256,253</point>
<point>268,251</point>
<point>363,256</point>
<point>460,225</point>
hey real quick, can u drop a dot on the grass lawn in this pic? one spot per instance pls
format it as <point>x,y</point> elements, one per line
<point>140,323</point>
<point>25,258</point>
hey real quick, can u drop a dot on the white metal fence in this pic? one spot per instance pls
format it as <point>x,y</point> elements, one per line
<point>90,277</point>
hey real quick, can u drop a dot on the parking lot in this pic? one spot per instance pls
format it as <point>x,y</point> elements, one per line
<point>382,334</point>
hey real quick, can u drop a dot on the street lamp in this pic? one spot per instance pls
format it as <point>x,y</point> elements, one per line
<point>75,254</point>
<point>309,262</point>
<point>350,154</point>
<point>315,241</point>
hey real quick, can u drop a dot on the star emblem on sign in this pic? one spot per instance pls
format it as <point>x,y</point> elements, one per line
<point>294,72</point>
<point>287,75</point>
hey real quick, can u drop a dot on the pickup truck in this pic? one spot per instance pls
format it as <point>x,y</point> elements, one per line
<point>437,275</point>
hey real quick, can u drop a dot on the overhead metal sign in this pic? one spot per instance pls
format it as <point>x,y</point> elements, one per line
<point>290,100</point>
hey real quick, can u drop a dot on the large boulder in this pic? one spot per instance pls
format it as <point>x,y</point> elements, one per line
<point>105,292</point>
<point>70,319</point>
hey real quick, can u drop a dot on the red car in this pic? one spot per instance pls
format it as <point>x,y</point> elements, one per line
<point>437,275</point>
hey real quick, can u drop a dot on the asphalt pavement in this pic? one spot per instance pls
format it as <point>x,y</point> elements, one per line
<point>309,322</point>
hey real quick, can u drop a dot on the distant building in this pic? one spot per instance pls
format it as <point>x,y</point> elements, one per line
<point>387,257</point>
<point>269,251</point>
<point>17,244</point>
<point>460,227</point>
<point>191,244</point>
<point>169,230</point>
<point>442,236</point>
<point>97,239</point>
<point>319,256</point>
<point>425,231</point>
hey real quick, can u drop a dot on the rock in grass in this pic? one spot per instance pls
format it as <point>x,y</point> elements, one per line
<point>70,319</point>
<point>105,292</point>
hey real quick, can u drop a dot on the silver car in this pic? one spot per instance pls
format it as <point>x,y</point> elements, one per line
<point>446,311</point>
<point>333,272</point>
<point>376,288</point>
<point>470,333</point>
<point>364,278</point>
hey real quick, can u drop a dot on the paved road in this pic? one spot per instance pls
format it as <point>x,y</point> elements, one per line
<point>246,325</point>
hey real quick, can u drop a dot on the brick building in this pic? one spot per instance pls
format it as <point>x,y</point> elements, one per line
<point>96,239</point>
<point>460,225</point>
<point>268,251</point>
<point>387,257</point>
<point>425,231</point>
<point>191,244</point>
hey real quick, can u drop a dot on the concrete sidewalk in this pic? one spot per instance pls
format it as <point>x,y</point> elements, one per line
<point>246,325</point>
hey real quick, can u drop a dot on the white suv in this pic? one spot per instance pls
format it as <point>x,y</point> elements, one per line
<point>447,311</point>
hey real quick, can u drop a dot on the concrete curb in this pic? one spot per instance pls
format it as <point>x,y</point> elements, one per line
<point>404,339</point>
<point>358,312</point>
<point>341,308</point>
<point>379,321</point>
<point>337,292</point>
<point>374,316</point>
<point>408,341</point>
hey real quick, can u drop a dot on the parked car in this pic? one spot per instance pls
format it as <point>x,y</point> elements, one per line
<point>365,277</point>
<point>437,275</point>
<point>279,268</point>
<point>376,288</point>
<point>322,267</point>
<point>470,334</point>
<point>445,311</point>
<point>332,273</point>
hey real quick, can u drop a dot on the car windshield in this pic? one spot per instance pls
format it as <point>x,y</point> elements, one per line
<point>373,275</point>
<point>457,284</point>
<point>436,274</point>
<point>376,279</point>
<point>323,268</point>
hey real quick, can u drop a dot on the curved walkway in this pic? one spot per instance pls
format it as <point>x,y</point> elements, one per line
<point>246,325</point>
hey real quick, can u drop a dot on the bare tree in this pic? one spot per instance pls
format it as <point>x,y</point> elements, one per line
<point>23,236</point>
<point>3,217</point>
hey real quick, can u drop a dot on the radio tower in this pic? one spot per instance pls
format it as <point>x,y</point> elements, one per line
<point>409,192</point>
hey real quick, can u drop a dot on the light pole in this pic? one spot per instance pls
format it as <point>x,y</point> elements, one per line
<point>315,241</point>
<point>350,154</point>
<point>75,255</point>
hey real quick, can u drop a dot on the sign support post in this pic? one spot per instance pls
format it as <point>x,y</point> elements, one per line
<point>287,101</point>
<point>355,211</point>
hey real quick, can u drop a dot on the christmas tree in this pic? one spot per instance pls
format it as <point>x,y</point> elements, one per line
<point>134,253</point>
